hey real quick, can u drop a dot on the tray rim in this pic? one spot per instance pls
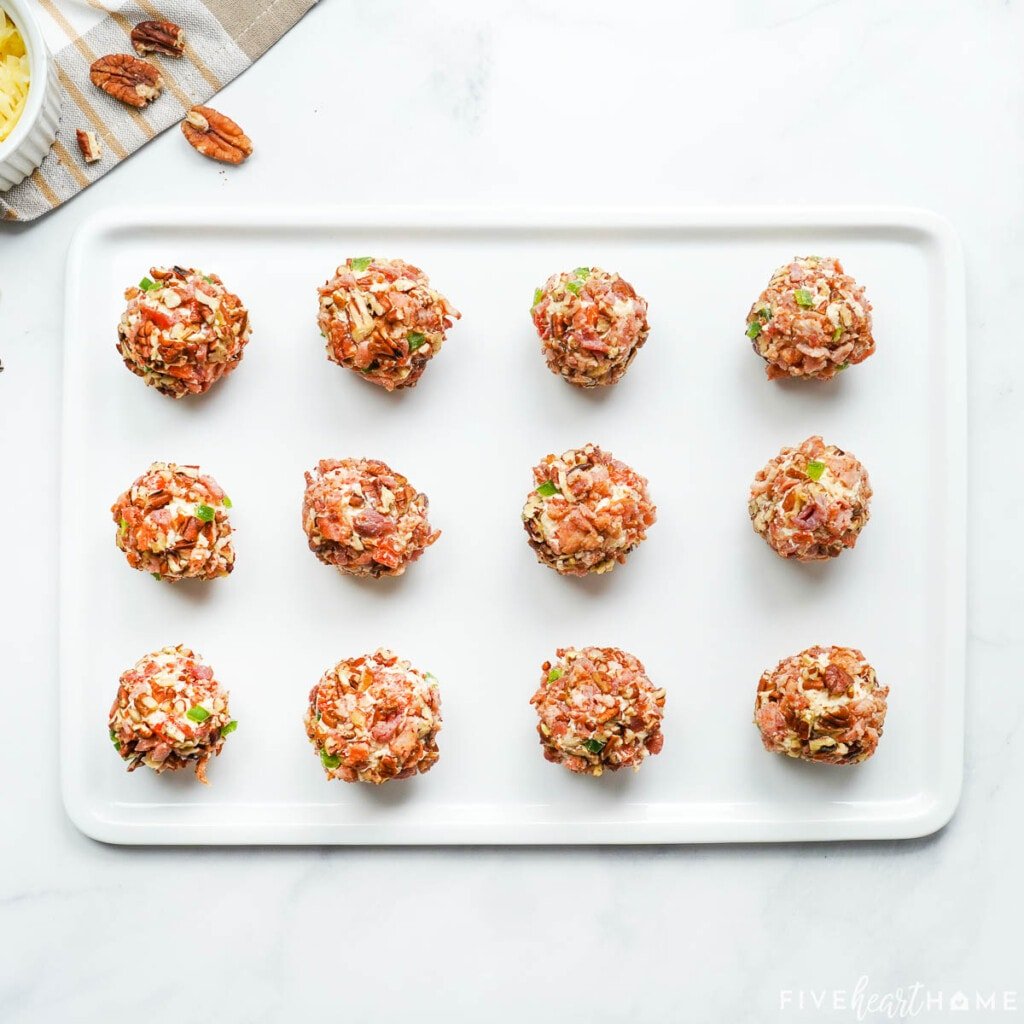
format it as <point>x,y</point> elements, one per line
<point>931,816</point>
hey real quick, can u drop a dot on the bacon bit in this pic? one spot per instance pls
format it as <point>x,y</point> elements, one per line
<point>372,523</point>
<point>809,517</point>
<point>156,316</point>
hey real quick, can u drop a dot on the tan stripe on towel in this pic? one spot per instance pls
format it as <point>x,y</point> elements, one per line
<point>141,123</point>
<point>40,183</point>
<point>70,164</point>
<point>211,79</point>
<point>86,107</point>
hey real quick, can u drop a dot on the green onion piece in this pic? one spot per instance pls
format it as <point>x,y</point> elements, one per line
<point>804,298</point>
<point>117,745</point>
<point>229,728</point>
<point>430,675</point>
<point>753,329</point>
<point>538,294</point>
<point>765,313</point>
<point>208,280</point>
<point>319,716</point>
<point>206,513</point>
<point>581,272</point>
<point>842,366</point>
<point>329,760</point>
<point>594,746</point>
<point>198,713</point>
<point>147,285</point>
<point>815,469</point>
<point>546,489</point>
<point>360,263</point>
<point>226,502</point>
<point>156,575</point>
<point>415,340</point>
<point>555,673</point>
<point>124,525</point>
<point>573,287</point>
<point>837,334</point>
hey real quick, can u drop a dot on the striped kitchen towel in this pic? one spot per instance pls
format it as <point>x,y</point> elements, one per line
<point>222,39</point>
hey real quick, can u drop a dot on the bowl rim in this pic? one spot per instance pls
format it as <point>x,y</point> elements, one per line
<point>38,72</point>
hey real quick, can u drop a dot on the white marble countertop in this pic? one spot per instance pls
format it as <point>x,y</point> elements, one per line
<point>790,102</point>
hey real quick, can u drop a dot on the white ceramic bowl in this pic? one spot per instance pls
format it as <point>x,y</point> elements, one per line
<point>24,149</point>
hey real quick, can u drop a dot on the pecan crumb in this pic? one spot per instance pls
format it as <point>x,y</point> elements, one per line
<point>89,145</point>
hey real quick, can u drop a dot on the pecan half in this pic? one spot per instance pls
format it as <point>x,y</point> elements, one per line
<point>158,37</point>
<point>216,136</point>
<point>837,679</point>
<point>89,145</point>
<point>126,78</point>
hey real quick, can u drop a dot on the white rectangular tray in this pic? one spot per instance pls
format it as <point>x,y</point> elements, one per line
<point>704,603</point>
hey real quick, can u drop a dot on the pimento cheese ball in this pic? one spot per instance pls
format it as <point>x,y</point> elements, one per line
<point>173,522</point>
<point>170,713</point>
<point>598,710</point>
<point>365,519</point>
<point>591,325</point>
<point>810,503</point>
<point>382,319</point>
<point>182,330</point>
<point>374,718</point>
<point>824,704</point>
<point>586,512</point>
<point>812,320</point>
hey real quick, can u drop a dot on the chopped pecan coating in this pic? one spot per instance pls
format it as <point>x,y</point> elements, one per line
<point>812,320</point>
<point>591,325</point>
<point>173,522</point>
<point>365,519</point>
<point>182,330</point>
<point>824,704</point>
<point>374,718</point>
<point>587,511</point>
<point>382,319</point>
<point>170,713</point>
<point>598,710</point>
<point>810,503</point>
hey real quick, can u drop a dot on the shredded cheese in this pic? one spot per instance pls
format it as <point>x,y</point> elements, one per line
<point>14,78</point>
